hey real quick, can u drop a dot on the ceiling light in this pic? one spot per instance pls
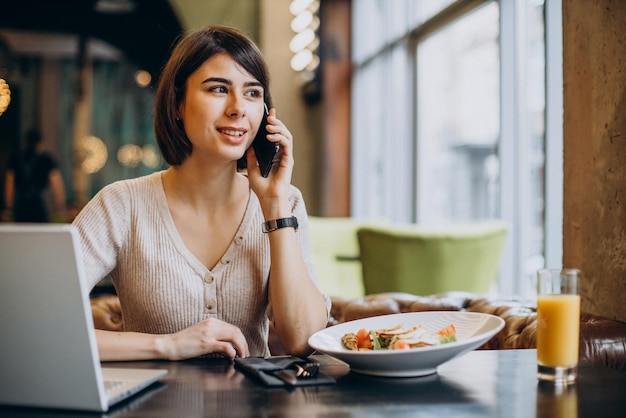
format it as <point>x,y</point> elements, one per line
<point>301,60</point>
<point>302,40</point>
<point>305,46</point>
<point>298,6</point>
<point>301,21</point>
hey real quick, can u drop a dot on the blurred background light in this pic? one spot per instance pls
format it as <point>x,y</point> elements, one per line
<point>298,6</point>
<point>143,78</point>
<point>5,95</point>
<point>94,153</point>
<point>306,40</point>
<point>302,21</point>
<point>301,40</point>
<point>300,61</point>
<point>150,157</point>
<point>129,155</point>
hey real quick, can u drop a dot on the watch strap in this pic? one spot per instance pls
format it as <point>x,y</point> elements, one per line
<point>274,224</point>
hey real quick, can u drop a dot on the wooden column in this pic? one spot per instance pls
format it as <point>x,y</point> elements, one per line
<point>594,213</point>
<point>336,75</point>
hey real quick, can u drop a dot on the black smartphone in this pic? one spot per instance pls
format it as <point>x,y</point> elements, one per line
<point>265,150</point>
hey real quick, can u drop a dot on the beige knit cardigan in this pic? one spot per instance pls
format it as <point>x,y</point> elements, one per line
<point>126,231</point>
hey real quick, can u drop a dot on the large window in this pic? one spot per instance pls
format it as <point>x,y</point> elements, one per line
<point>449,121</point>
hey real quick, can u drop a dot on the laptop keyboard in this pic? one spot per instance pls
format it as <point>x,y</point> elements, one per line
<point>110,385</point>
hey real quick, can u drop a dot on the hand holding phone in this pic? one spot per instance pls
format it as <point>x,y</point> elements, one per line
<point>265,150</point>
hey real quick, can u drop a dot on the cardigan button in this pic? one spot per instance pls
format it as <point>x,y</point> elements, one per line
<point>209,278</point>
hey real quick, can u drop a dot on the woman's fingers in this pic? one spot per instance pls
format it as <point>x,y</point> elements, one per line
<point>278,131</point>
<point>209,336</point>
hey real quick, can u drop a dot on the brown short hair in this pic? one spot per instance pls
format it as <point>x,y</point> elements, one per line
<point>190,53</point>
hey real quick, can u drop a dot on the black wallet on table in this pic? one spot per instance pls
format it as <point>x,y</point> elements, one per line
<point>284,371</point>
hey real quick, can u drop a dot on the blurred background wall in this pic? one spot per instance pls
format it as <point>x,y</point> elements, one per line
<point>75,72</point>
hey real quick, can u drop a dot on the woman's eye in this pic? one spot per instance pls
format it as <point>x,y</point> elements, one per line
<point>218,89</point>
<point>255,93</point>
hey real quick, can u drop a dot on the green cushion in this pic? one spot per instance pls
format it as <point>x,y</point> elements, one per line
<point>429,260</point>
<point>336,255</point>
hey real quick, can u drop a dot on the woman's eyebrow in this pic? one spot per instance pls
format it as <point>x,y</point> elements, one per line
<point>217,80</point>
<point>230,82</point>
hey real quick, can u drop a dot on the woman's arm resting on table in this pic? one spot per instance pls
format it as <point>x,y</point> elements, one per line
<point>208,336</point>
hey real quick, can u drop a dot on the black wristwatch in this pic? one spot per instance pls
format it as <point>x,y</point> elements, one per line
<point>275,224</point>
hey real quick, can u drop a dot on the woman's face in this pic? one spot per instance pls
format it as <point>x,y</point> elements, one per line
<point>222,108</point>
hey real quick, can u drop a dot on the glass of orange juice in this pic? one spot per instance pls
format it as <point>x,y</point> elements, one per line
<point>558,324</point>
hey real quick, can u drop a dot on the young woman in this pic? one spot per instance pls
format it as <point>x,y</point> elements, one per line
<point>188,248</point>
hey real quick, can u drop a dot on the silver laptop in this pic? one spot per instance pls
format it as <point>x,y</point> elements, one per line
<point>48,352</point>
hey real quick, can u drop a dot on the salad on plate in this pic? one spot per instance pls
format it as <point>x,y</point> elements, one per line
<point>397,338</point>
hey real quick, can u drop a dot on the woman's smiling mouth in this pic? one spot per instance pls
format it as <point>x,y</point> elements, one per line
<point>231,132</point>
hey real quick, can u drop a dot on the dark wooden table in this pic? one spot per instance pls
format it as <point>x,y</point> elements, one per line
<point>478,384</point>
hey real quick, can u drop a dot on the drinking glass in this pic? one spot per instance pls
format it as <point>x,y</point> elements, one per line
<point>558,324</point>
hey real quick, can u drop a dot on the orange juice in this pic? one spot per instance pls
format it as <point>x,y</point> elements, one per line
<point>558,325</point>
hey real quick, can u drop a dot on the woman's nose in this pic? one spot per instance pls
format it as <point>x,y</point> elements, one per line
<point>236,106</point>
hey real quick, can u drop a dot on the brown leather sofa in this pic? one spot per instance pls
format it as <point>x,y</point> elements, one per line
<point>602,340</point>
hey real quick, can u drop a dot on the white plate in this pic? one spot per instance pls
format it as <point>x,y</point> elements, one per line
<point>472,330</point>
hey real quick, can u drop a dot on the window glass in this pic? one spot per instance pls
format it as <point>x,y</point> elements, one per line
<point>533,65</point>
<point>424,10</point>
<point>458,120</point>
<point>368,121</point>
<point>381,132</point>
<point>380,22</point>
<point>368,33</point>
